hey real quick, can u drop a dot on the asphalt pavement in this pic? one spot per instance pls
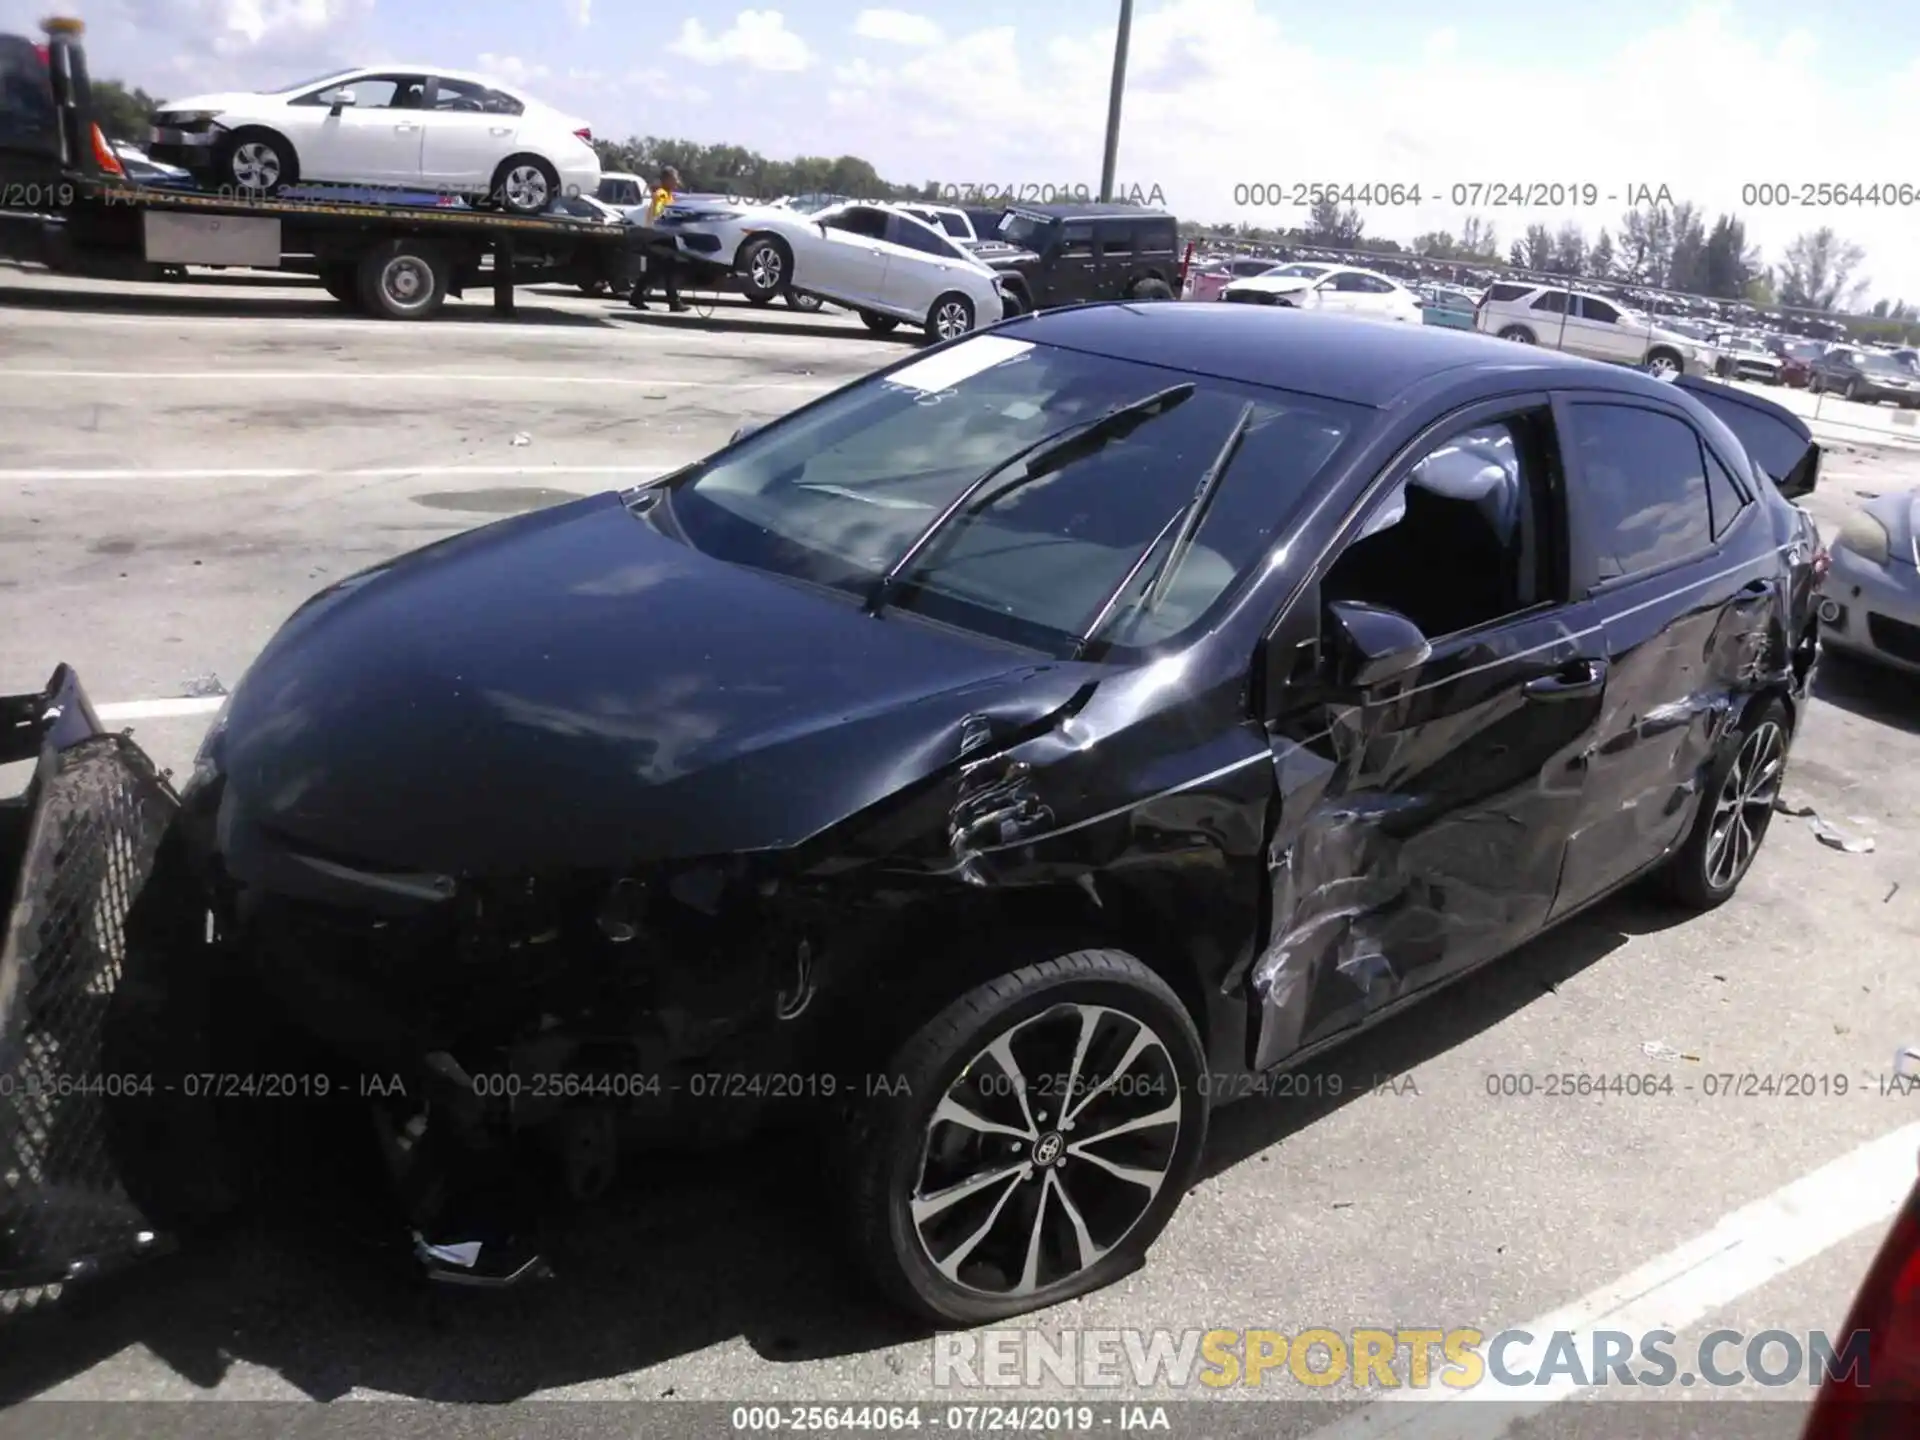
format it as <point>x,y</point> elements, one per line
<point>182,465</point>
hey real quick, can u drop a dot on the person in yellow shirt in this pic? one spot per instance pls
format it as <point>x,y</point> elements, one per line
<point>663,266</point>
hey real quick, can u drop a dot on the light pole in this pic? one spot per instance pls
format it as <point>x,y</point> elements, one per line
<point>1113,100</point>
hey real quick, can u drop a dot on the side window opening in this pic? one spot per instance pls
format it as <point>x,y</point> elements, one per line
<point>1459,542</point>
<point>1077,240</point>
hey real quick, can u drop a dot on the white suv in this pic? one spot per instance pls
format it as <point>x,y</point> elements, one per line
<point>1588,325</point>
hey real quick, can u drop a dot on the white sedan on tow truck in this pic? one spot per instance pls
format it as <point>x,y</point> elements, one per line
<point>874,259</point>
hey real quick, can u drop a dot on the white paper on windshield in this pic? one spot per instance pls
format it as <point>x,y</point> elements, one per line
<point>962,362</point>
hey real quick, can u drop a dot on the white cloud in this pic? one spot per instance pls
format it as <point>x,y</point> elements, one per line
<point>1220,95</point>
<point>175,47</point>
<point>659,84</point>
<point>510,68</point>
<point>897,27</point>
<point>758,39</point>
<point>581,11</point>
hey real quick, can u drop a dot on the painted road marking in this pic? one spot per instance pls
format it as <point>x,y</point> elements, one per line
<point>404,472</point>
<point>161,709</point>
<point>1744,1251</point>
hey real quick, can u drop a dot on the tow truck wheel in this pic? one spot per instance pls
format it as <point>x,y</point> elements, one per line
<point>876,322</point>
<point>258,162</point>
<point>403,280</point>
<point>1153,290</point>
<point>806,304</point>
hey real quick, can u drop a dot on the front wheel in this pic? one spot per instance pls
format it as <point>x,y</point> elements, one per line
<point>950,317</point>
<point>765,268</point>
<point>1736,809</point>
<point>1663,365</point>
<point>258,162</point>
<point>1851,391</point>
<point>1046,1127</point>
<point>1519,334</point>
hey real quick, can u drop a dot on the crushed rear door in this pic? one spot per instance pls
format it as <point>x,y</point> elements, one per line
<point>75,849</point>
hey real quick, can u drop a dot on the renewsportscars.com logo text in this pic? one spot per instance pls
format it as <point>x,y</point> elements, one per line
<point>1416,1358</point>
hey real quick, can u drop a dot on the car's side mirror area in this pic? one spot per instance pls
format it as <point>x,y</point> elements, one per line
<point>1367,644</point>
<point>338,100</point>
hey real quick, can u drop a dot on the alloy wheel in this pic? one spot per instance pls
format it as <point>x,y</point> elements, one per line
<point>952,319</point>
<point>526,188</point>
<point>766,269</point>
<point>1744,805</point>
<point>1661,367</point>
<point>256,166</point>
<point>1047,1151</point>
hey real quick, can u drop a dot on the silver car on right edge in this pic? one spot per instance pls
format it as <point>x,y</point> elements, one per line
<point>1870,599</point>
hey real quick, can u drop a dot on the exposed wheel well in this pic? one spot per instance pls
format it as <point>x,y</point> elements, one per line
<point>939,949</point>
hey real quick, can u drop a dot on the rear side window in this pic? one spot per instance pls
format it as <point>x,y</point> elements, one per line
<point>1158,238</point>
<point>1505,292</point>
<point>1724,496</point>
<point>1554,302</point>
<point>1644,488</point>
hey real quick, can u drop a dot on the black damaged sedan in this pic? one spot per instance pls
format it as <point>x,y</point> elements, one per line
<point>994,762</point>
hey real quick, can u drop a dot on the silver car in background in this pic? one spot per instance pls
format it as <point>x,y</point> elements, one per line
<point>1870,600</point>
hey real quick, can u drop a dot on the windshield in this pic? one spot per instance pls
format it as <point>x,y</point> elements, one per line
<point>316,80</point>
<point>1880,364</point>
<point>837,494</point>
<point>1027,231</point>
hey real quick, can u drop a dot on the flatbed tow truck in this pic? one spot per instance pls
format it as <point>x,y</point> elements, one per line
<point>67,204</point>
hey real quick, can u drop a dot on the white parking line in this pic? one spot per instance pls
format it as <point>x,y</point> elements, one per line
<point>160,709</point>
<point>411,377</point>
<point>403,472</point>
<point>1745,1250</point>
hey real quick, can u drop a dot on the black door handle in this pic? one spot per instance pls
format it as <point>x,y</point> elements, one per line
<point>1756,587</point>
<point>1582,677</point>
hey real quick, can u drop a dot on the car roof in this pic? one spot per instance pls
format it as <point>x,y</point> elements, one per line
<point>1361,362</point>
<point>1093,210</point>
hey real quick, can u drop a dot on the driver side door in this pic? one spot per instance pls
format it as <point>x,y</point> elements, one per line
<point>848,259</point>
<point>374,141</point>
<point>1423,818</point>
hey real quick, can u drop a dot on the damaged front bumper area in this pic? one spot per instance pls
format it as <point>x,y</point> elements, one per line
<point>75,850</point>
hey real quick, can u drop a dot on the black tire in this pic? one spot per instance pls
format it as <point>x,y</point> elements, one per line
<point>1813,385</point>
<point>765,266</point>
<point>950,316</point>
<point>524,185</point>
<point>1519,334</point>
<point>1696,876</point>
<point>342,282</point>
<point>890,1141</point>
<point>1151,289</point>
<point>1851,390</point>
<point>879,324</point>
<point>593,289</point>
<point>258,161</point>
<point>1014,303</point>
<point>804,303</point>
<point>403,280</point>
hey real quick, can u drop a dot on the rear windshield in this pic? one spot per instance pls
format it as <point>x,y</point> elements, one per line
<point>837,493</point>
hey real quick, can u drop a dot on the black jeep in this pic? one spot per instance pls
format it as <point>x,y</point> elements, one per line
<point>1053,255</point>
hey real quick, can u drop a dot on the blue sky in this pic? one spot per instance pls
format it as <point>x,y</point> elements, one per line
<point>1702,98</point>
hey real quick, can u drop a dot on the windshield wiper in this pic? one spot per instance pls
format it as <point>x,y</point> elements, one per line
<point>1042,457</point>
<point>1189,517</point>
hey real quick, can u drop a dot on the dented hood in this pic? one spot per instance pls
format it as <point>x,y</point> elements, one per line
<point>573,688</point>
